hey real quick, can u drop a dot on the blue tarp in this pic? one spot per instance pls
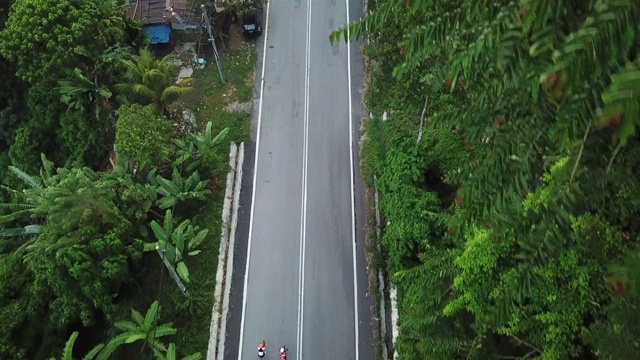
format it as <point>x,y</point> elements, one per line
<point>158,34</point>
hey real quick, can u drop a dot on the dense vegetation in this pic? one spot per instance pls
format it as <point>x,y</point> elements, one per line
<point>81,218</point>
<point>509,175</point>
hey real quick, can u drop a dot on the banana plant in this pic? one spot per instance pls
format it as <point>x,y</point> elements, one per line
<point>67,352</point>
<point>179,189</point>
<point>187,154</point>
<point>140,328</point>
<point>122,168</point>
<point>78,86</point>
<point>206,140</point>
<point>185,238</point>
<point>171,354</point>
<point>189,151</point>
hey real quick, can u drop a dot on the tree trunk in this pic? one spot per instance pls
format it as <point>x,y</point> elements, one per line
<point>422,117</point>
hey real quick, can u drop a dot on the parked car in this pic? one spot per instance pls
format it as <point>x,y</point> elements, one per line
<point>252,22</point>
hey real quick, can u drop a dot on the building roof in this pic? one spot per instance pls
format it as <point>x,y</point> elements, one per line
<point>148,11</point>
<point>161,11</point>
<point>190,14</point>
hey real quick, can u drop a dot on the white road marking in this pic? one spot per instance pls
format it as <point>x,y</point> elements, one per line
<point>255,177</point>
<point>304,199</point>
<point>353,207</point>
<point>303,225</point>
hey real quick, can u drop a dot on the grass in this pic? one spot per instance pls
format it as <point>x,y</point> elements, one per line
<point>211,96</point>
<point>192,316</point>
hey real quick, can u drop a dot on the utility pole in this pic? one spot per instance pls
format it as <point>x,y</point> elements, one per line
<point>205,18</point>
<point>172,272</point>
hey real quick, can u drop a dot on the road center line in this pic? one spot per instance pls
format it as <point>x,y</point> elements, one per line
<point>253,194</point>
<point>303,225</point>
<point>353,207</point>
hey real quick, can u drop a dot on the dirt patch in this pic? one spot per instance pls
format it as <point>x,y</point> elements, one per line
<point>239,108</point>
<point>250,79</point>
<point>235,39</point>
<point>229,90</point>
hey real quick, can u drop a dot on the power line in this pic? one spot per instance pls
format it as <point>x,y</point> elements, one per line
<point>212,40</point>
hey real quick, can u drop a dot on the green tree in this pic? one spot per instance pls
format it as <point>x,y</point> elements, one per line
<point>136,190</point>
<point>34,136</point>
<point>22,312</point>
<point>142,136</point>
<point>84,249</point>
<point>44,38</point>
<point>83,140</point>
<point>10,120</point>
<point>239,6</point>
<point>86,130</point>
<point>535,90</point>
<point>151,82</point>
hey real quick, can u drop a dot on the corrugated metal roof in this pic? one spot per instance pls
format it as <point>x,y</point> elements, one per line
<point>149,11</point>
<point>160,11</point>
<point>189,14</point>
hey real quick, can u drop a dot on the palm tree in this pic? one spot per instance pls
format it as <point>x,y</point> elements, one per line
<point>151,82</point>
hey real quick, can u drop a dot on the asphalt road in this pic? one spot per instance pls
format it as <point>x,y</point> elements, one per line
<point>299,284</point>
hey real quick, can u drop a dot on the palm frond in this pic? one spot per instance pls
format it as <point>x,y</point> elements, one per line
<point>142,91</point>
<point>150,316</point>
<point>15,215</point>
<point>14,206</point>
<point>94,352</point>
<point>126,325</point>
<point>111,346</point>
<point>172,93</point>
<point>165,329</point>
<point>28,179</point>
<point>67,352</point>
<point>27,230</point>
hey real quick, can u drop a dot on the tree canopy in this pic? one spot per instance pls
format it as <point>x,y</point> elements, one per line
<point>150,82</point>
<point>142,136</point>
<point>86,168</point>
<point>516,242</point>
<point>48,36</point>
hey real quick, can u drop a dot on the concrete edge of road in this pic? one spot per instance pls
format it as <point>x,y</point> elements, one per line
<point>382,310</point>
<point>230,251</point>
<point>215,349</point>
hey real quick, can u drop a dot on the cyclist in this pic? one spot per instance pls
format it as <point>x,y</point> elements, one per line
<point>283,353</point>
